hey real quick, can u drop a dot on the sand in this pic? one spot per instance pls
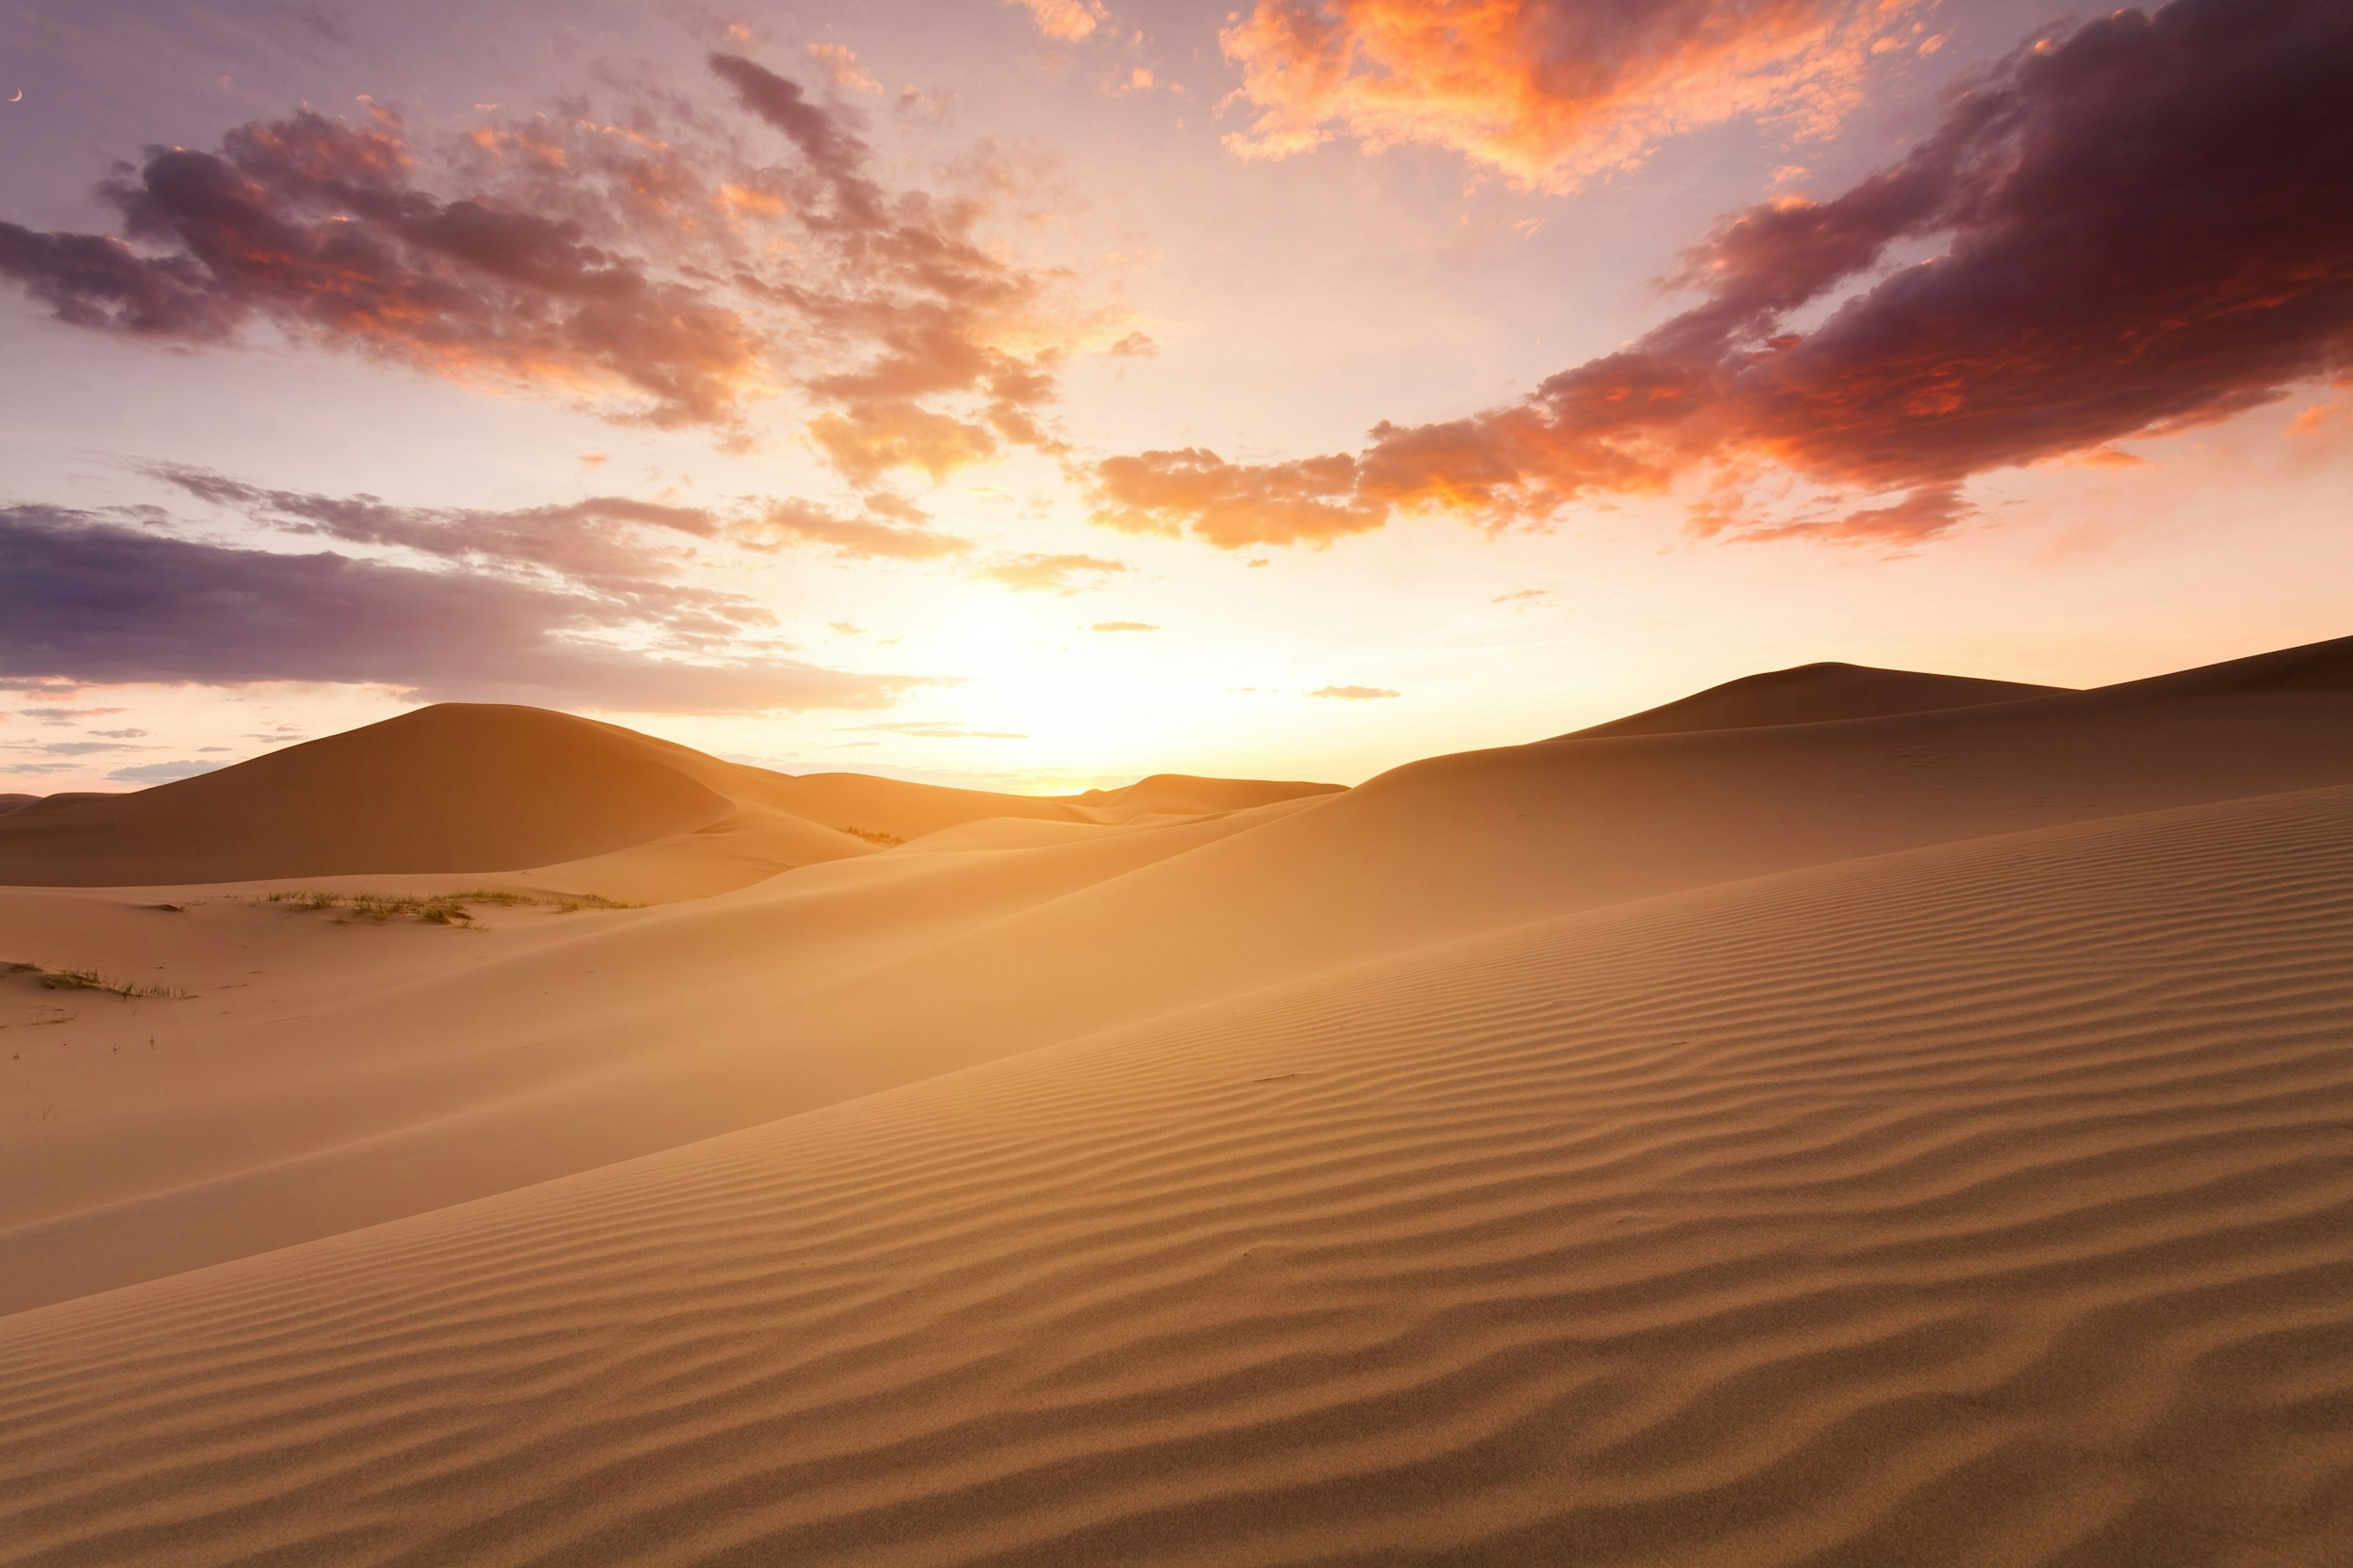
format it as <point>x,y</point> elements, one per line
<point>1904,1138</point>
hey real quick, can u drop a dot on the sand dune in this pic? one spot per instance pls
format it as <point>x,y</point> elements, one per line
<point>1814,694</point>
<point>1985,1202</point>
<point>1789,1136</point>
<point>479,787</point>
<point>378,1082</point>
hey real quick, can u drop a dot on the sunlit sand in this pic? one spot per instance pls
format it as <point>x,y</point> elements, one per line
<point>1848,1116</point>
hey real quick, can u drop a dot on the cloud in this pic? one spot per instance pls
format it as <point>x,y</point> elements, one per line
<point>1524,595</point>
<point>1194,490</point>
<point>941,729</point>
<point>2147,222</point>
<point>317,226</point>
<point>1124,626</point>
<point>162,772</point>
<point>1068,20</point>
<point>86,601</point>
<point>1049,574</point>
<point>789,522</point>
<point>1354,693</point>
<point>841,67</point>
<point>68,715</point>
<point>650,261</point>
<point>1553,92</point>
<point>74,748</point>
<point>611,546</point>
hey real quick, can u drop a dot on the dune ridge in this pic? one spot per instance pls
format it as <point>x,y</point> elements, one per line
<point>383,1084</point>
<point>1814,694</point>
<point>1991,1200</point>
<point>472,788</point>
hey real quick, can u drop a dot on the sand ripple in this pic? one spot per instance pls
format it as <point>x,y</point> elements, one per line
<point>1986,1204</point>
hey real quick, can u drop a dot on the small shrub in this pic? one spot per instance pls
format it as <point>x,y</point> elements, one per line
<point>875,836</point>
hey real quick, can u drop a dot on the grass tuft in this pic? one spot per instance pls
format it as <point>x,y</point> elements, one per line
<point>92,980</point>
<point>875,836</point>
<point>438,908</point>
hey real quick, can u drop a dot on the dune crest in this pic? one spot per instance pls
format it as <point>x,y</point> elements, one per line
<point>1814,694</point>
<point>462,788</point>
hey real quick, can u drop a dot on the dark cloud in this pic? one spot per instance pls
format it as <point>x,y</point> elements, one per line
<point>85,601</point>
<point>1049,574</point>
<point>647,259</point>
<point>2147,223</point>
<point>318,227</point>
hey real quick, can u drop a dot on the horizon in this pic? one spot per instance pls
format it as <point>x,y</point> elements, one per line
<point>1059,392</point>
<point>1122,782</point>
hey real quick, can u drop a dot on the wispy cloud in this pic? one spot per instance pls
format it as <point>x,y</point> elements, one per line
<point>941,729</point>
<point>1049,574</point>
<point>85,600</point>
<point>1126,626</point>
<point>163,773</point>
<point>1354,693</point>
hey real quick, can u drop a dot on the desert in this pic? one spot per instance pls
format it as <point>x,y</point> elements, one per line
<point>1919,1136</point>
<point>1176,784</point>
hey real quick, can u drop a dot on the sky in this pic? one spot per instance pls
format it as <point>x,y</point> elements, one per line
<point>1041,393</point>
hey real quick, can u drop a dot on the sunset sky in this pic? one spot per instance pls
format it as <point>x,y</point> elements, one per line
<point>1038,393</point>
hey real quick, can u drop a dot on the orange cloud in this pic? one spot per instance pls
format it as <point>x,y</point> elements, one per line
<point>790,523</point>
<point>1049,574</point>
<point>841,63</point>
<point>1550,91</point>
<point>2148,226</point>
<point>1068,20</point>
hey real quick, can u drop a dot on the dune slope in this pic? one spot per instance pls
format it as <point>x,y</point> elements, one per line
<point>479,787</point>
<point>456,787</point>
<point>1989,1202</point>
<point>1814,694</point>
<point>394,1090</point>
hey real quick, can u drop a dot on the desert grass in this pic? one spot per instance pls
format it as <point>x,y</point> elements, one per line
<point>875,836</point>
<point>92,980</point>
<point>438,908</point>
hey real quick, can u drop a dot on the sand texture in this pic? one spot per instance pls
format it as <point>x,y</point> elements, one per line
<point>1900,1138</point>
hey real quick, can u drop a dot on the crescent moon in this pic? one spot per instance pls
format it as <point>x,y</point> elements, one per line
<point>19,98</point>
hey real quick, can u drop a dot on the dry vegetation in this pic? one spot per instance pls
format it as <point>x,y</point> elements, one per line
<point>438,908</point>
<point>875,836</point>
<point>91,979</point>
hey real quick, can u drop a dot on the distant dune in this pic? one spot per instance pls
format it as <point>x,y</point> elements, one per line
<point>1814,694</point>
<point>1798,1130</point>
<point>464,788</point>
